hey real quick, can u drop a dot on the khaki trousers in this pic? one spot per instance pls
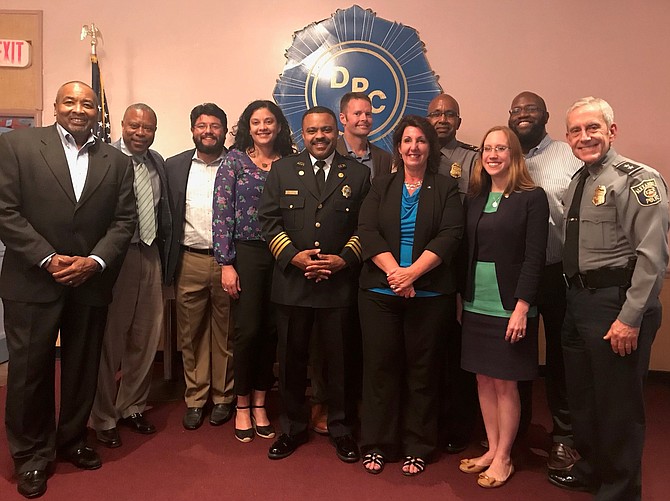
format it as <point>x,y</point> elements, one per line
<point>205,330</point>
<point>133,331</point>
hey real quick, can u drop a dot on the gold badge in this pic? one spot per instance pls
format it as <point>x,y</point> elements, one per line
<point>599,195</point>
<point>340,175</point>
<point>346,191</point>
<point>301,172</point>
<point>456,170</point>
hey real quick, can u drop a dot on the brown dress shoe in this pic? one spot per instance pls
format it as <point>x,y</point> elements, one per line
<point>319,419</point>
<point>562,457</point>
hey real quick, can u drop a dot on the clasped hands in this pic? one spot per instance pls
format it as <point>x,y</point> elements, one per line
<point>318,266</point>
<point>72,271</point>
<point>401,281</point>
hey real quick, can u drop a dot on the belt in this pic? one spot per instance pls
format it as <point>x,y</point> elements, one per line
<point>205,252</point>
<point>600,278</point>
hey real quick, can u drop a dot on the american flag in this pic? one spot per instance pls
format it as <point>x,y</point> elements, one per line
<point>102,128</point>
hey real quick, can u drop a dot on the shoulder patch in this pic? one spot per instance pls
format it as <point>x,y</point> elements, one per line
<point>467,146</point>
<point>628,167</point>
<point>646,193</point>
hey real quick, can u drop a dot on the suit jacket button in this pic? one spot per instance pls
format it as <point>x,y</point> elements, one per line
<point>316,244</point>
<point>320,206</point>
<point>317,224</point>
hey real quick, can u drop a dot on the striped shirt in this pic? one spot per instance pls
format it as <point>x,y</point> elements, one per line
<point>551,165</point>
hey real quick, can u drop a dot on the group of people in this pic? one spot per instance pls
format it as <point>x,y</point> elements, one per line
<point>430,268</point>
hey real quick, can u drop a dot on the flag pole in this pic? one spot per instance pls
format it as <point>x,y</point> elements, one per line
<point>102,129</point>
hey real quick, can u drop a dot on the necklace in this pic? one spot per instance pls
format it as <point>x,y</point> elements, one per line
<point>413,186</point>
<point>495,203</point>
<point>253,154</point>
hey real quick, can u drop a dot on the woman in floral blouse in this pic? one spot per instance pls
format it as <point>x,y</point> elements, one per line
<point>263,136</point>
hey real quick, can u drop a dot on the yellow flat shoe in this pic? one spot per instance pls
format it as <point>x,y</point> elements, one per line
<point>469,466</point>
<point>492,483</point>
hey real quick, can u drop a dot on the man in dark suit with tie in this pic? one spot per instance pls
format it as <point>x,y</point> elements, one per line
<point>309,213</point>
<point>67,213</point>
<point>134,323</point>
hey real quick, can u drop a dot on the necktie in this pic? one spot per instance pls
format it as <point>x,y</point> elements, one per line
<point>571,247</point>
<point>320,175</point>
<point>145,204</point>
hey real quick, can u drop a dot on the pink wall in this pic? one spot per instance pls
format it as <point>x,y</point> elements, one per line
<point>485,52</point>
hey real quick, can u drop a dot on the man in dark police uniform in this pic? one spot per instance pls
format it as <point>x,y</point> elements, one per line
<point>309,212</point>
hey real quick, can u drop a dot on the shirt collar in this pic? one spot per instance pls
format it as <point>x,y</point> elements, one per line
<point>542,145</point>
<point>328,160</point>
<point>218,160</point>
<point>68,139</point>
<point>136,158</point>
<point>352,153</point>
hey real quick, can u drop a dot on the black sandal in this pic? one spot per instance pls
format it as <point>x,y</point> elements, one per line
<point>247,435</point>
<point>417,462</point>
<point>267,431</point>
<point>374,458</point>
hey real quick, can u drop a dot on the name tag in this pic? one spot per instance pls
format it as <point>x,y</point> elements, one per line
<point>290,192</point>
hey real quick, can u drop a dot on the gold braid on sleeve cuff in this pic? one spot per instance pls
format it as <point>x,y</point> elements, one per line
<point>355,245</point>
<point>279,243</point>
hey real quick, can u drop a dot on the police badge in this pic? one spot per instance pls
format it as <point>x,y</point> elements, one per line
<point>456,170</point>
<point>346,191</point>
<point>599,195</point>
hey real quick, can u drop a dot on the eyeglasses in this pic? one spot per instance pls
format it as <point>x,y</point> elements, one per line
<point>446,113</point>
<point>146,128</point>
<point>498,149</point>
<point>529,108</point>
<point>202,126</point>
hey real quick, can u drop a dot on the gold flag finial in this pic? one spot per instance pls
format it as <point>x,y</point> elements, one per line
<point>95,34</point>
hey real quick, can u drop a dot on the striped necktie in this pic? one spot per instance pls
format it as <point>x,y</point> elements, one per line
<point>145,204</point>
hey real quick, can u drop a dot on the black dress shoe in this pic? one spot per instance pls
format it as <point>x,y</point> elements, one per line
<point>109,438</point>
<point>138,423</point>
<point>84,458</point>
<point>193,418</point>
<point>32,484</point>
<point>221,413</point>
<point>286,445</point>
<point>567,480</point>
<point>455,446</point>
<point>347,448</point>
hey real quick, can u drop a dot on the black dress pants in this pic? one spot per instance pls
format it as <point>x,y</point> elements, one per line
<point>400,373</point>
<point>605,392</point>
<point>30,416</point>
<point>295,324</point>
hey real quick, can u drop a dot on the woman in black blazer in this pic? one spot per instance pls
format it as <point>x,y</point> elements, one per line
<point>410,226</point>
<point>506,237</point>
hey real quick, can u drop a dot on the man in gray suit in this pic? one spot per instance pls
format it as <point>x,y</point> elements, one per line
<point>67,213</point>
<point>134,323</point>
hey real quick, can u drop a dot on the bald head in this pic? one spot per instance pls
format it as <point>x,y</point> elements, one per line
<point>444,115</point>
<point>76,110</point>
<point>528,119</point>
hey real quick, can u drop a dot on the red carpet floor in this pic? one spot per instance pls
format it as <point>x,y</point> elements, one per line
<point>209,464</point>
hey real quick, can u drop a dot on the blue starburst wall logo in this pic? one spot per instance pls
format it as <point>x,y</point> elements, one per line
<point>355,51</point>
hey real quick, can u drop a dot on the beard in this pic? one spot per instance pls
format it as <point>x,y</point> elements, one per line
<point>213,149</point>
<point>532,137</point>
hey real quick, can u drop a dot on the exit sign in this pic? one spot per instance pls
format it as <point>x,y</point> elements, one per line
<point>14,53</point>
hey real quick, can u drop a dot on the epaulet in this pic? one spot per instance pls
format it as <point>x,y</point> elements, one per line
<point>579,171</point>
<point>628,167</point>
<point>467,146</point>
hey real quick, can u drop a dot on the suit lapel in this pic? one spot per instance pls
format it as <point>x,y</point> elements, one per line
<point>336,176</point>
<point>305,173</point>
<point>98,165</point>
<point>54,156</point>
